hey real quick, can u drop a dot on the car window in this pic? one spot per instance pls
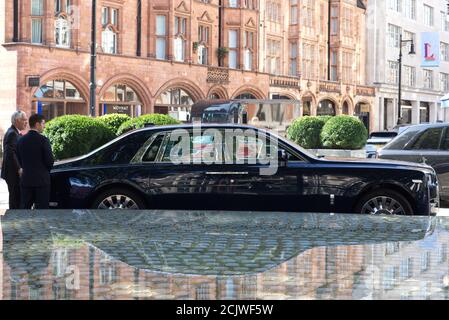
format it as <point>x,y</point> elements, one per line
<point>249,149</point>
<point>428,140</point>
<point>120,152</point>
<point>445,141</point>
<point>193,148</point>
<point>153,150</point>
<point>402,139</point>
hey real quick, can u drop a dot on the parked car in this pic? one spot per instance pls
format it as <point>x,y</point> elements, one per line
<point>378,140</point>
<point>426,143</point>
<point>137,171</point>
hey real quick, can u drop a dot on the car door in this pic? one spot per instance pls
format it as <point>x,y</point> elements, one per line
<point>258,181</point>
<point>177,176</point>
<point>441,165</point>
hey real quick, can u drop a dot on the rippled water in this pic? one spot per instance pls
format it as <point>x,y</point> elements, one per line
<point>221,255</point>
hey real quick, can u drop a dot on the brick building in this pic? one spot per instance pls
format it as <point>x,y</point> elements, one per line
<point>162,55</point>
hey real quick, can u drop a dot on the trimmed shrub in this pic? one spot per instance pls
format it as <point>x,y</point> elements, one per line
<point>140,122</point>
<point>344,132</point>
<point>306,131</point>
<point>114,121</point>
<point>325,118</point>
<point>76,135</point>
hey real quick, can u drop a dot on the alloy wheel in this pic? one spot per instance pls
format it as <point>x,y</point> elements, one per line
<point>117,202</point>
<point>383,205</point>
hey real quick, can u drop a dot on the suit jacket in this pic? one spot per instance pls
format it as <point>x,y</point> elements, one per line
<point>10,163</point>
<point>36,159</point>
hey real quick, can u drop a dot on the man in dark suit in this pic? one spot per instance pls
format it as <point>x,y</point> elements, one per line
<point>36,159</point>
<point>10,164</point>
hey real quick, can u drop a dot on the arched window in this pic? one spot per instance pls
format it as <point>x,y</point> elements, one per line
<point>345,108</point>
<point>176,102</point>
<point>121,99</point>
<point>62,32</point>
<point>109,41</point>
<point>326,108</point>
<point>57,98</point>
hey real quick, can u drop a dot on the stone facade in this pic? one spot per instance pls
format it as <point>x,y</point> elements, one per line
<point>259,71</point>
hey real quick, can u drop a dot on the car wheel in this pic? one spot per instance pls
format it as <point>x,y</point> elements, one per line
<point>116,199</point>
<point>384,202</point>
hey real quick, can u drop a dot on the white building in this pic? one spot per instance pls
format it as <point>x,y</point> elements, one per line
<point>422,88</point>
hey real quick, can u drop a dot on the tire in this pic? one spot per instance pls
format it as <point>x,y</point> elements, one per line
<point>118,198</point>
<point>384,202</point>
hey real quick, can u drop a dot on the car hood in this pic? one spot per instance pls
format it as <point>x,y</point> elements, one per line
<point>377,162</point>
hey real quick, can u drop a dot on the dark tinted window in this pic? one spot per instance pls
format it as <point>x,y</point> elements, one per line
<point>402,140</point>
<point>153,150</point>
<point>428,140</point>
<point>445,142</point>
<point>120,152</point>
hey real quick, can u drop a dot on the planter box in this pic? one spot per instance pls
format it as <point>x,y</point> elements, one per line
<point>339,153</point>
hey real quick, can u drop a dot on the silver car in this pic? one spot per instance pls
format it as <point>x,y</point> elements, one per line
<point>426,143</point>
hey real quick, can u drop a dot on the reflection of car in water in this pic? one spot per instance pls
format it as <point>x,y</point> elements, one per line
<point>229,243</point>
<point>377,140</point>
<point>137,171</point>
<point>426,143</point>
<point>268,114</point>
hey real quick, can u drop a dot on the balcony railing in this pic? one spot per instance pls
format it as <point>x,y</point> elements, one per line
<point>366,91</point>
<point>329,86</point>
<point>217,75</point>
<point>285,82</point>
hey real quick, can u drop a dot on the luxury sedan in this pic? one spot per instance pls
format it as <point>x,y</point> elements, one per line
<point>236,167</point>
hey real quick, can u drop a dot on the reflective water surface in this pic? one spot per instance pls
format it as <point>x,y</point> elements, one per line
<point>221,255</point>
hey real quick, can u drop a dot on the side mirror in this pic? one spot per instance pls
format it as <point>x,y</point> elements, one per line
<point>282,158</point>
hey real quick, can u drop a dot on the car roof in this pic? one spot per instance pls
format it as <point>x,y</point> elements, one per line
<point>203,125</point>
<point>428,125</point>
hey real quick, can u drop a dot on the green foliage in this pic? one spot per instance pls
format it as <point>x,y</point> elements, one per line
<point>344,132</point>
<point>76,135</point>
<point>114,121</point>
<point>137,123</point>
<point>306,131</point>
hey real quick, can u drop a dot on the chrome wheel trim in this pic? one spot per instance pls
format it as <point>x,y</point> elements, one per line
<point>383,205</point>
<point>118,202</point>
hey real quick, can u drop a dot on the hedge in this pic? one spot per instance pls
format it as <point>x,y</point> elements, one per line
<point>76,135</point>
<point>306,131</point>
<point>344,132</point>
<point>137,123</point>
<point>114,121</point>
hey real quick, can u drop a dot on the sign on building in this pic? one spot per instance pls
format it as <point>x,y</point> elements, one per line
<point>430,49</point>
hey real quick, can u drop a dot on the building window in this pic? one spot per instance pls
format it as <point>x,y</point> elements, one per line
<point>334,20</point>
<point>233,3</point>
<point>58,6</point>
<point>428,79</point>
<point>62,32</point>
<point>394,5</point>
<point>428,15</point>
<point>175,102</point>
<point>334,65</point>
<point>308,53</point>
<point>444,82</point>
<point>248,44</point>
<point>308,13</point>
<point>274,11</point>
<point>273,56</point>
<point>121,99</point>
<point>293,11</point>
<point>348,59</point>
<point>394,34</point>
<point>409,36</point>
<point>409,76</point>
<point>442,253</point>
<point>347,19</point>
<point>203,47</point>
<point>37,13</point>
<point>444,51</point>
<point>109,36</point>
<point>293,65</point>
<point>109,41</point>
<point>390,277</point>
<point>406,268</point>
<point>202,292</point>
<point>179,43</point>
<point>425,261</point>
<point>393,72</point>
<point>410,9</point>
<point>323,63</point>
<point>233,49</point>
<point>161,37</point>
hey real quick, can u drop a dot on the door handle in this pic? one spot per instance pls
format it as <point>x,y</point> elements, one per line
<point>228,173</point>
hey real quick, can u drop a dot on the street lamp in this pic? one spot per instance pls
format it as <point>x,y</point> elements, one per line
<point>93,59</point>
<point>412,52</point>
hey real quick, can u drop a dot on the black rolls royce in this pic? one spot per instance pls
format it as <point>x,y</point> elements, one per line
<point>236,167</point>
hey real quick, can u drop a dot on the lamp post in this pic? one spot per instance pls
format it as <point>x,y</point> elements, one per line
<point>412,52</point>
<point>93,59</point>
